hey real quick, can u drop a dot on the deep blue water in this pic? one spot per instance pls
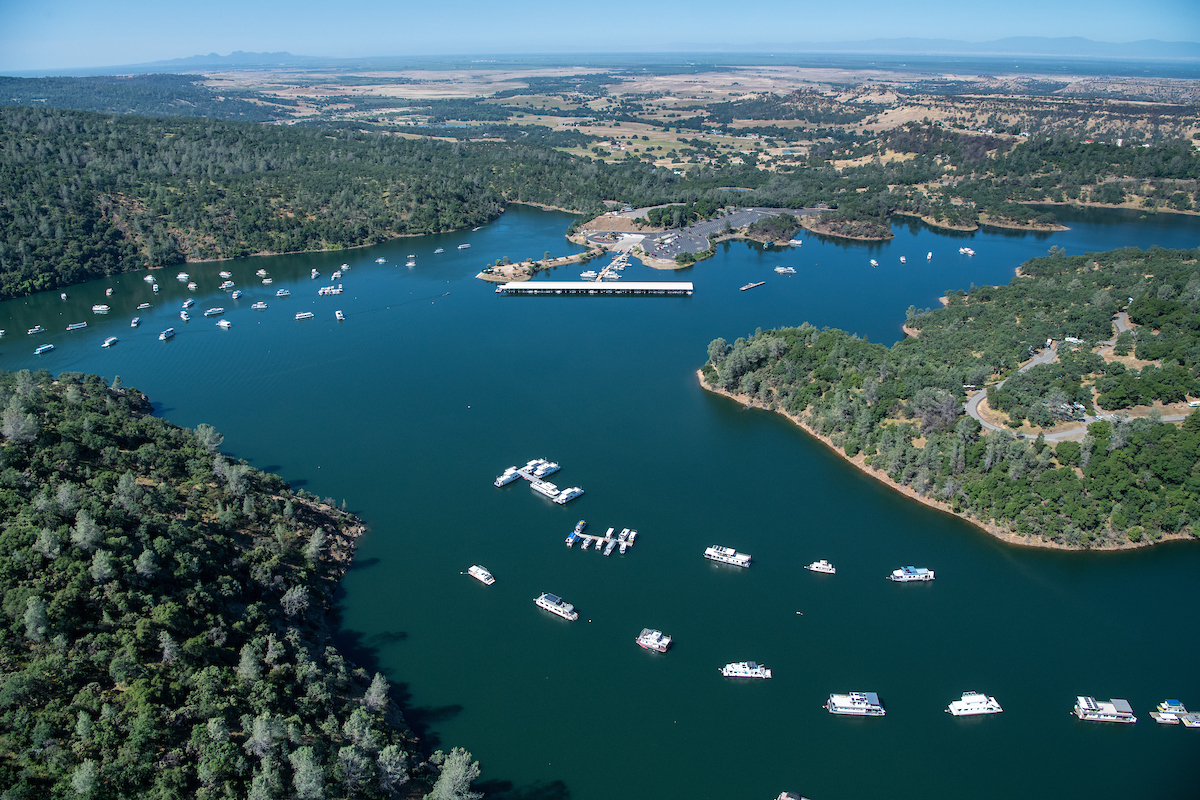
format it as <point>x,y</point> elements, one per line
<point>435,384</point>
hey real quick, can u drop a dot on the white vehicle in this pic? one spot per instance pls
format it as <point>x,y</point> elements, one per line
<point>1091,710</point>
<point>109,342</point>
<point>855,704</point>
<point>907,574</point>
<point>821,566</point>
<point>508,476</point>
<point>650,639</point>
<point>974,703</point>
<point>100,308</point>
<point>224,324</point>
<point>480,574</point>
<point>556,605</point>
<point>745,669</point>
<point>727,555</point>
<point>1169,712</point>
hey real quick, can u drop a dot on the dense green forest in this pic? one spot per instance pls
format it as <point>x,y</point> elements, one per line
<point>84,195</point>
<point>150,95</point>
<point>902,406</point>
<point>164,606</point>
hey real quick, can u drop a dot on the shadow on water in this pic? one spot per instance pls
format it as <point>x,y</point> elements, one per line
<point>363,650</point>
<point>362,563</point>
<point>424,719</point>
<point>505,790</point>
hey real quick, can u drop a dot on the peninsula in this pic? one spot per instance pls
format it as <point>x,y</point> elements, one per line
<point>1083,457</point>
<point>166,612</point>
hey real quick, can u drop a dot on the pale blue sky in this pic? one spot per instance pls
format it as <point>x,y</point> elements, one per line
<point>63,34</point>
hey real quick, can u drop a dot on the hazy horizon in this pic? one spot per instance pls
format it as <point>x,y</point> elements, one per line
<point>71,34</point>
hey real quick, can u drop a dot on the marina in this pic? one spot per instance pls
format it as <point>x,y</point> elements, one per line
<point>644,288</point>
<point>534,471</point>
<point>608,542</point>
<point>585,397</point>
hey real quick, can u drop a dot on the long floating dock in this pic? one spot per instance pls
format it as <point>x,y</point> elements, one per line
<point>656,288</point>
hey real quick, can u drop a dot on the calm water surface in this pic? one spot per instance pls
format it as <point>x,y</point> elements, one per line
<point>434,384</point>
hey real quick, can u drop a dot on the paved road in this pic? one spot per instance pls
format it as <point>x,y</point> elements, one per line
<point>1046,357</point>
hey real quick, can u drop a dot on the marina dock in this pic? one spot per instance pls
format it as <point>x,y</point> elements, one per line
<point>606,543</point>
<point>645,288</point>
<point>535,471</point>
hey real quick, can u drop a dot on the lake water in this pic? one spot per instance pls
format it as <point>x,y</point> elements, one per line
<point>434,384</point>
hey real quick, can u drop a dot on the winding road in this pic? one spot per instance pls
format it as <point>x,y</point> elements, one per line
<point>1047,357</point>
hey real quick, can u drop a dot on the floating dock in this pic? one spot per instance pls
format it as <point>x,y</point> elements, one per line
<point>534,471</point>
<point>645,288</point>
<point>607,543</point>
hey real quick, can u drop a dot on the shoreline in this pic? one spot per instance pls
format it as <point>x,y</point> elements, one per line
<point>1003,533</point>
<point>811,227</point>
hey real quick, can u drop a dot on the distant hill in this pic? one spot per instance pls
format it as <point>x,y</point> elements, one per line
<point>1039,46</point>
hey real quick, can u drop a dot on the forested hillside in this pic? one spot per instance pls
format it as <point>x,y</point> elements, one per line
<point>149,95</point>
<point>163,617</point>
<point>902,407</point>
<point>84,195</point>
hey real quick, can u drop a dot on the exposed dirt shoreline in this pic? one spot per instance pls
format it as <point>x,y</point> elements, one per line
<point>1002,532</point>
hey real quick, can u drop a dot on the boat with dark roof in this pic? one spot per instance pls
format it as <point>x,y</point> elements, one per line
<point>908,574</point>
<point>855,704</point>
<point>727,555</point>
<point>556,605</point>
<point>1092,710</point>
<point>480,574</point>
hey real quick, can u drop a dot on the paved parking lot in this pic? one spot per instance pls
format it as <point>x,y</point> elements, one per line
<point>694,238</point>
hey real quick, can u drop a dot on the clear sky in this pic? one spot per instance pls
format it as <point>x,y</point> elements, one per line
<point>63,34</point>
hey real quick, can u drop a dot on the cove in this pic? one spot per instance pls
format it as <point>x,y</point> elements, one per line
<point>434,384</point>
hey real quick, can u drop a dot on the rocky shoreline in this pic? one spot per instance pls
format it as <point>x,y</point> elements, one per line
<point>1001,532</point>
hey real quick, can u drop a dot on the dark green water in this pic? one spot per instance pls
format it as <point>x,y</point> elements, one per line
<point>434,385</point>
